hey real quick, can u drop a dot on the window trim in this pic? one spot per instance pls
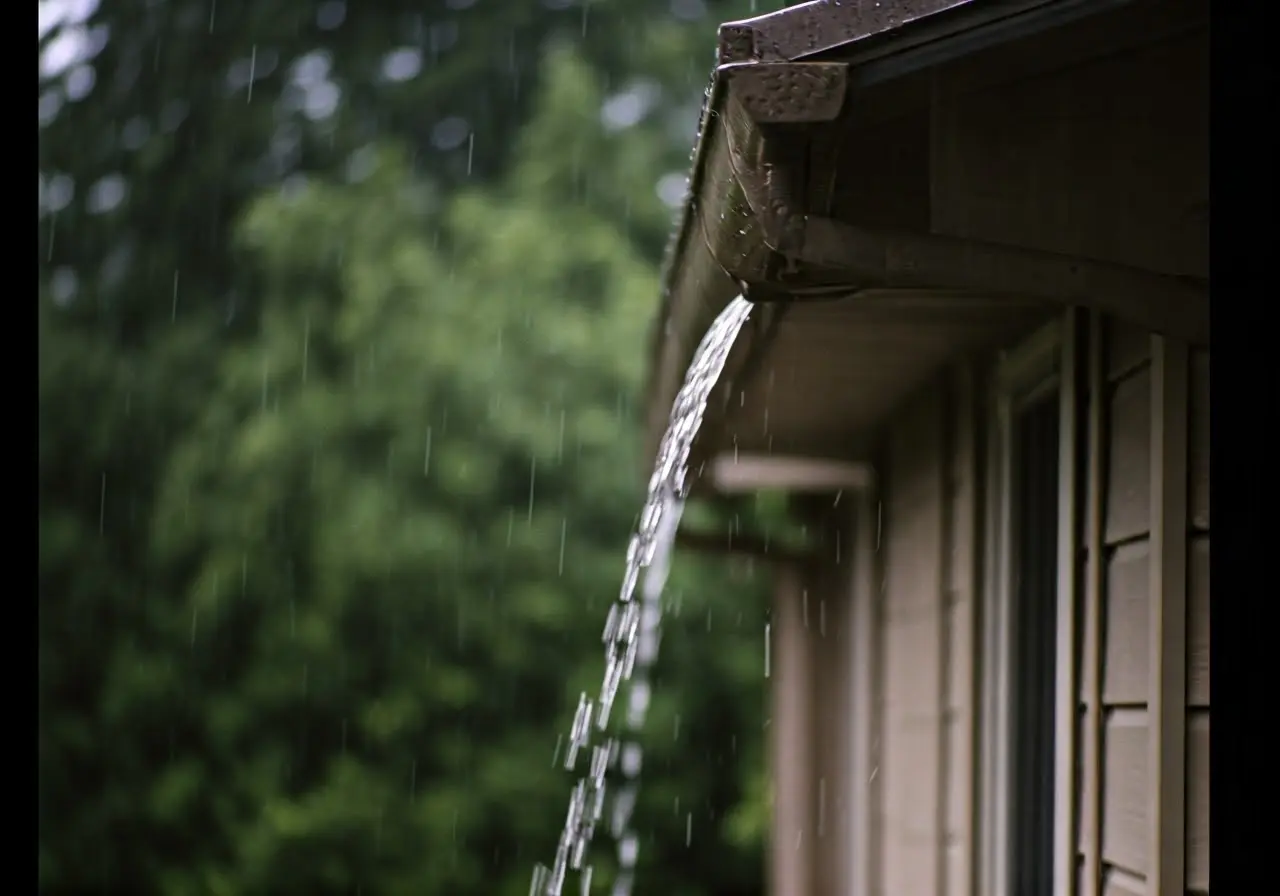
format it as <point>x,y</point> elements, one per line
<point>1023,375</point>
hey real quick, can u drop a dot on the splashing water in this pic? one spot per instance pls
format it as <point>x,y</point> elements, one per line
<point>632,631</point>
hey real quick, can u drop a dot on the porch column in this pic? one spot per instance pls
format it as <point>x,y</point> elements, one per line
<point>791,737</point>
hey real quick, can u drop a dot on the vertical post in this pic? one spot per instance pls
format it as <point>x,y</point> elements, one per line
<point>991,877</point>
<point>1094,583</point>
<point>1168,621</point>
<point>792,738</point>
<point>1004,632</point>
<point>965,580</point>
<point>864,728</point>
<point>1067,688</point>
<point>942,627</point>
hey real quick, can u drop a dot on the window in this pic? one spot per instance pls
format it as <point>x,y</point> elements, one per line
<point>1034,614</point>
<point>1021,622</point>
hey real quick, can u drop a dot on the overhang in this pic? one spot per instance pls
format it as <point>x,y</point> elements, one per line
<point>859,299</point>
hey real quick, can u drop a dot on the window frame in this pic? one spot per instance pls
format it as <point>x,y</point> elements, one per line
<point>1039,366</point>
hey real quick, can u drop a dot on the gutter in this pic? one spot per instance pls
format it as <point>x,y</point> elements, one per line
<point>770,121</point>
<point>707,265</point>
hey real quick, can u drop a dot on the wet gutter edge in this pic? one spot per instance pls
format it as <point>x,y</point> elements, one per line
<point>779,36</point>
<point>897,37</point>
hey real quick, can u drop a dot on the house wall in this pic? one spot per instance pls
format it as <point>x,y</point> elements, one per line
<point>918,787</point>
<point>1119,791</point>
<point>1038,147</point>
<point>811,725</point>
<point>925,624</point>
<point>873,672</point>
<point>1041,154</point>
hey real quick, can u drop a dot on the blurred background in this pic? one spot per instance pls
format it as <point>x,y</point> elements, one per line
<point>344,315</point>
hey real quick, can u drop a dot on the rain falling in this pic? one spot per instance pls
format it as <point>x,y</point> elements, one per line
<point>344,335</point>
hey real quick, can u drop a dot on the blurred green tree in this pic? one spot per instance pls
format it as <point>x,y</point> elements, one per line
<point>317,595</point>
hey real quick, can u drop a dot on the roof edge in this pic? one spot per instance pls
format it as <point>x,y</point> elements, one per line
<point>781,36</point>
<point>743,224</point>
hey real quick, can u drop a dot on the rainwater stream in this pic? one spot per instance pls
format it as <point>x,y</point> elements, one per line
<point>631,634</point>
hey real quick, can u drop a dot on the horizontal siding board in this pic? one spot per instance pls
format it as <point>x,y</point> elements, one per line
<point>1115,882</point>
<point>1128,510</point>
<point>1198,801</point>
<point>1198,622</point>
<point>1126,666</point>
<point>1126,790</point>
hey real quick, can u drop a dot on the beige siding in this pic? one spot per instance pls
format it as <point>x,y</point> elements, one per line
<point>922,818</point>
<point>1198,622</point>
<point>1126,791</point>
<point>1198,802</point>
<point>1016,160</point>
<point>812,725</point>
<point>1125,608</point>
<point>1125,773</point>
<point>828,637</point>
<point>1126,679</point>
<point>1117,883</point>
<point>1129,457</point>
<point>927,633</point>
<point>913,619</point>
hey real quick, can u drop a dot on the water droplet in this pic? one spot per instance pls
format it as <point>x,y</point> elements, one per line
<point>766,650</point>
<point>449,133</point>
<point>402,64</point>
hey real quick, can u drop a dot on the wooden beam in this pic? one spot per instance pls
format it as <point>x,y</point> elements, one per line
<point>730,473</point>
<point>1067,688</point>
<point>1173,306</point>
<point>1170,375</point>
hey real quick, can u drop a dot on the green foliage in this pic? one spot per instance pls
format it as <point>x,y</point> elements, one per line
<point>337,469</point>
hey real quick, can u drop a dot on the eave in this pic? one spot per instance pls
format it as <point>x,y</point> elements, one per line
<point>754,222</point>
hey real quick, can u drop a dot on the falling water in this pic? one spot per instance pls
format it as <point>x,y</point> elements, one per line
<point>632,631</point>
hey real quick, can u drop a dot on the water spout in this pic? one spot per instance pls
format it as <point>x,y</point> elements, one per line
<point>632,630</point>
